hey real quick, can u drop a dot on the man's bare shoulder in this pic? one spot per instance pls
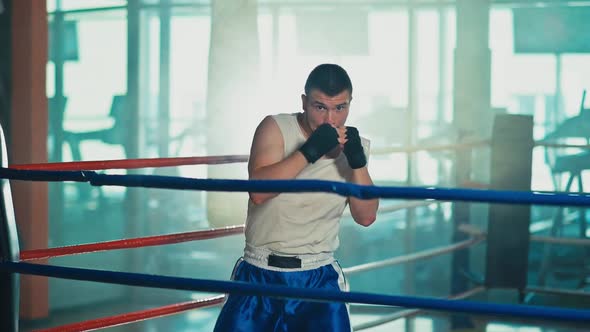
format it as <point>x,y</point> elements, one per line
<point>268,126</point>
<point>267,145</point>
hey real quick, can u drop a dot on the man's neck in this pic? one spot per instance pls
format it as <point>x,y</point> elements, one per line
<point>303,124</point>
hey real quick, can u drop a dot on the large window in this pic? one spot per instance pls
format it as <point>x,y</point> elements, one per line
<point>546,86</point>
<point>401,61</point>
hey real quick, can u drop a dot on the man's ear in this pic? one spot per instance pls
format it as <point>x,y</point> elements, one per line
<point>303,101</point>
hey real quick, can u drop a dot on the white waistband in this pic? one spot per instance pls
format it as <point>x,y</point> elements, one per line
<point>259,257</point>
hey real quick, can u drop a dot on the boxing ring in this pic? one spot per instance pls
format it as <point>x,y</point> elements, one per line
<point>13,261</point>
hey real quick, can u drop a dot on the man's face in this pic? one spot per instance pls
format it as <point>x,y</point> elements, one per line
<point>320,108</point>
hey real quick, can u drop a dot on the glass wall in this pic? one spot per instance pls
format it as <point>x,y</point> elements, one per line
<point>401,61</point>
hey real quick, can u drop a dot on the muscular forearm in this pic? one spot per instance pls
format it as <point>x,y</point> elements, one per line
<point>363,211</point>
<point>286,169</point>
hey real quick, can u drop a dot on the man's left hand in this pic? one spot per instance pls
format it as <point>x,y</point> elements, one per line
<point>353,149</point>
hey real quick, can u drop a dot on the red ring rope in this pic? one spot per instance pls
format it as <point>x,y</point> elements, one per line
<point>132,163</point>
<point>36,254</point>
<point>136,316</point>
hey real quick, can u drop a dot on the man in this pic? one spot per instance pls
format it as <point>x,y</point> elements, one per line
<point>291,237</point>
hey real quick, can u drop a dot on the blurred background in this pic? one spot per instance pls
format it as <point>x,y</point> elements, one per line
<point>172,78</point>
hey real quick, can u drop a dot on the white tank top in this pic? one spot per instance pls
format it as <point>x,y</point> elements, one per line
<point>300,223</point>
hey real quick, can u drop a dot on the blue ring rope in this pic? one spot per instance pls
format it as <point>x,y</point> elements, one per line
<point>340,188</point>
<point>47,176</point>
<point>234,287</point>
<point>344,189</point>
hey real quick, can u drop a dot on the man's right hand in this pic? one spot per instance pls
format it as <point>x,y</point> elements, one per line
<point>321,141</point>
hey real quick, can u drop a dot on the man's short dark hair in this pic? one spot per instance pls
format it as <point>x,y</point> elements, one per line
<point>329,78</point>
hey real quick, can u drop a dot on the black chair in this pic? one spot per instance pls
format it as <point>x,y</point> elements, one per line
<point>116,134</point>
<point>563,162</point>
<point>112,135</point>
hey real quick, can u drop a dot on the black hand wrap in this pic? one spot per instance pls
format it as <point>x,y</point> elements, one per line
<point>353,149</point>
<point>321,141</point>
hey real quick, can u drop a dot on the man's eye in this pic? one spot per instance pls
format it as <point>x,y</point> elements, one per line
<point>320,108</point>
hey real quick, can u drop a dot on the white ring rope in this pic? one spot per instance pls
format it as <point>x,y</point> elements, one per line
<point>412,312</point>
<point>429,148</point>
<point>557,291</point>
<point>464,145</point>
<point>407,205</point>
<point>401,206</point>
<point>561,240</point>
<point>474,231</point>
<point>562,145</point>
<point>545,224</point>
<point>413,257</point>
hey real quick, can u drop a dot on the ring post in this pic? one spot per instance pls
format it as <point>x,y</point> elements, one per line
<point>508,225</point>
<point>9,252</point>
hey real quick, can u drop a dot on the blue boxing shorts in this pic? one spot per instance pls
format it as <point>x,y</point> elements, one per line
<point>261,313</point>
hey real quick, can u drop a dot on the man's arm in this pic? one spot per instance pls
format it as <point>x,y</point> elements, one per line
<point>266,158</point>
<point>363,211</point>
